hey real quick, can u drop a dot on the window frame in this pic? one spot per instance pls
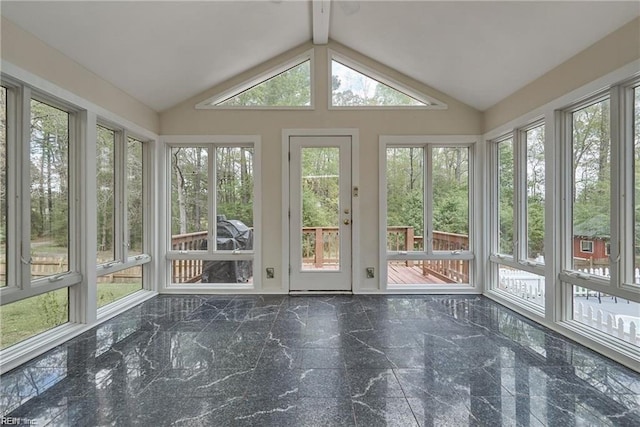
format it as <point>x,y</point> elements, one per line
<point>430,102</point>
<point>568,275</point>
<point>80,282</point>
<point>621,214</point>
<point>427,143</point>
<point>212,102</point>
<point>122,260</point>
<point>20,283</point>
<point>582,247</point>
<point>212,142</point>
<point>519,260</point>
<point>624,239</point>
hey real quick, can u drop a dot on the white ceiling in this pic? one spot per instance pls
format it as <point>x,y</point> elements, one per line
<point>165,52</point>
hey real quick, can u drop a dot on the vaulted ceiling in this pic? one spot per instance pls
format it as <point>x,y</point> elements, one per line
<point>164,52</point>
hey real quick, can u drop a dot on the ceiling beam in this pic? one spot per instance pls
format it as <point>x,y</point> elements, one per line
<point>320,11</point>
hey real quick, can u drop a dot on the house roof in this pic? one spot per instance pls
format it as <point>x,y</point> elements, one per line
<point>165,52</point>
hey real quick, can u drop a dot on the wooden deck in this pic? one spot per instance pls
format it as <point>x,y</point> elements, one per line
<point>400,274</point>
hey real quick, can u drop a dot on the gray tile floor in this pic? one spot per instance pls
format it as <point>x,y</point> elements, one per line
<point>319,361</point>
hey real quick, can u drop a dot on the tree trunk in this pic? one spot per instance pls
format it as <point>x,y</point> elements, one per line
<point>182,210</point>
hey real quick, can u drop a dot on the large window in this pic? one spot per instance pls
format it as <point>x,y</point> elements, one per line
<point>286,86</point>
<point>35,295</point>
<point>135,193</point>
<point>291,88</point>
<point>59,162</point>
<point>518,201</point>
<point>105,192</point>
<point>591,202</point>
<point>49,153</point>
<point>119,181</point>
<point>506,187</point>
<point>427,213</point>
<point>212,213</point>
<point>354,85</point>
<point>600,259</point>
<point>535,172</point>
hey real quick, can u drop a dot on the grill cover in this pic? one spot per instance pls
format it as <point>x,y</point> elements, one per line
<point>232,234</point>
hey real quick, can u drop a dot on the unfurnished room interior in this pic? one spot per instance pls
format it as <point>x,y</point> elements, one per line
<point>320,213</point>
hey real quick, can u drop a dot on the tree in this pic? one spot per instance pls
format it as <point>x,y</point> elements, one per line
<point>292,88</point>
<point>49,148</point>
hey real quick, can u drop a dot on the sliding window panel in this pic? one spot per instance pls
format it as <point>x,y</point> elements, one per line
<point>234,186</point>
<point>135,197</point>
<point>105,194</point>
<point>189,198</point>
<point>505,199</point>
<point>591,204</point>
<point>535,196</point>
<point>49,161</point>
<point>405,199</point>
<point>450,186</point>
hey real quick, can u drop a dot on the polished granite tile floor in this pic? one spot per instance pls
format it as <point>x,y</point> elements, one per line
<point>321,361</point>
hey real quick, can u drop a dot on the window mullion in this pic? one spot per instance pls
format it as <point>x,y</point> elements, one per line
<point>121,237</point>
<point>622,128</point>
<point>23,181</point>
<point>520,190</point>
<point>427,239</point>
<point>619,187</point>
<point>212,194</point>
<point>12,181</point>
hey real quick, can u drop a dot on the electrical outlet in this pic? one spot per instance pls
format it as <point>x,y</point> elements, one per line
<point>371,273</point>
<point>271,273</point>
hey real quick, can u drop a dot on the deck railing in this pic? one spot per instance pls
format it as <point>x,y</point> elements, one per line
<point>403,238</point>
<point>320,248</point>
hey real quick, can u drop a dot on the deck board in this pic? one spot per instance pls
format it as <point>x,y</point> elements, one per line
<point>400,274</point>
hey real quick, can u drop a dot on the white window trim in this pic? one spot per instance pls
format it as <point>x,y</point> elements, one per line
<point>211,103</point>
<point>255,255</point>
<point>430,102</point>
<point>558,291</point>
<point>428,142</point>
<point>81,283</point>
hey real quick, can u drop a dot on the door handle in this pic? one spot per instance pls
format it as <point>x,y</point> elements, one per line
<point>346,222</point>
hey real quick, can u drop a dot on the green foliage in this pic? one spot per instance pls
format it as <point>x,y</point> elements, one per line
<point>592,171</point>
<point>49,149</point>
<point>320,186</point>
<point>291,88</point>
<point>54,310</point>
<point>506,182</point>
<point>358,88</point>
<point>535,226</point>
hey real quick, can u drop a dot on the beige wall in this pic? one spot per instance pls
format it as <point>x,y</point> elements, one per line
<point>185,120</point>
<point>612,52</point>
<point>24,50</point>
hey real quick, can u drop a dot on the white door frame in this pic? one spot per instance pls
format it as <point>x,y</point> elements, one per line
<point>355,198</point>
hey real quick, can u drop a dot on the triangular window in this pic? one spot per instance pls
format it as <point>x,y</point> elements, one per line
<point>286,86</point>
<point>355,86</point>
